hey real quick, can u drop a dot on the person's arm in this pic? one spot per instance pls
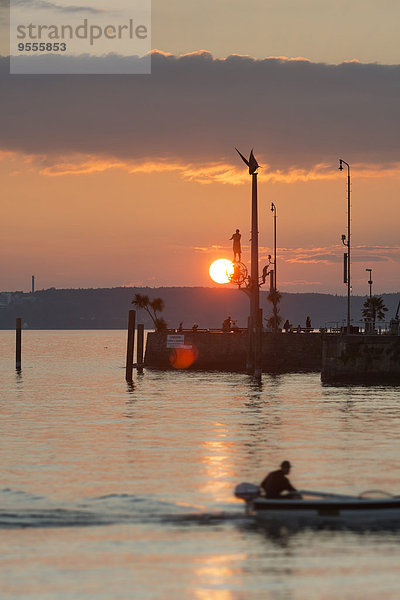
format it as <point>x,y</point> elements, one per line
<point>289,486</point>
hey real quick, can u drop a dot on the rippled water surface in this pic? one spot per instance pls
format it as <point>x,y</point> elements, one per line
<point>111,491</point>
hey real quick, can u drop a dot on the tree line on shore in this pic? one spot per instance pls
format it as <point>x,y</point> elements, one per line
<point>107,308</point>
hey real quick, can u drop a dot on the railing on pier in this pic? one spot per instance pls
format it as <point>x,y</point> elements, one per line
<point>360,327</point>
<point>334,327</point>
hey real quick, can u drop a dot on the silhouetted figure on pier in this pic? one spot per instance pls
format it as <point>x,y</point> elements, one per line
<point>234,326</point>
<point>237,248</point>
<point>227,324</point>
<point>308,323</point>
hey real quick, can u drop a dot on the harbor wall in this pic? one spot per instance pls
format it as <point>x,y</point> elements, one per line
<point>361,359</point>
<point>208,350</point>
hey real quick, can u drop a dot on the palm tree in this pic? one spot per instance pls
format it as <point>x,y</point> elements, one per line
<point>141,301</point>
<point>157,305</point>
<point>152,307</point>
<point>275,319</point>
<point>374,309</point>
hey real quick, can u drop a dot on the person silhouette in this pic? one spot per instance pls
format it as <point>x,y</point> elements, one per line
<point>226,325</point>
<point>237,249</point>
<point>276,482</point>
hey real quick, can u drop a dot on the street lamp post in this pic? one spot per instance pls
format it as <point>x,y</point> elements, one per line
<point>348,242</point>
<point>370,282</point>
<point>370,328</point>
<point>273,209</point>
<point>255,320</point>
<point>255,296</point>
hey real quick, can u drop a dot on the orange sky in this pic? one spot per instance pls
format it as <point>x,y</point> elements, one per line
<point>111,227</point>
<point>134,180</point>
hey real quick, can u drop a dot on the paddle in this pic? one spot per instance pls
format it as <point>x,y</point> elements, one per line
<point>327,495</point>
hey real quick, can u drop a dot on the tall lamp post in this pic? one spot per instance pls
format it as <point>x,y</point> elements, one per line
<point>347,261</point>
<point>225,271</point>
<point>255,321</point>
<point>273,209</point>
<point>370,282</point>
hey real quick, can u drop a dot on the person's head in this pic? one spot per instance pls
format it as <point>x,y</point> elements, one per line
<point>237,230</point>
<point>285,467</point>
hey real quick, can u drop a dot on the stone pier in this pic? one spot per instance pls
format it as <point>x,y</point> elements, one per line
<point>215,350</point>
<point>361,359</point>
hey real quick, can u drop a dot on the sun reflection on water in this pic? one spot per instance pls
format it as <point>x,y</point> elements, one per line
<point>218,461</point>
<point>218,572</point>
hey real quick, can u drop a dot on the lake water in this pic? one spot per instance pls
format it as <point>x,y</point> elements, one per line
<point>111,491</point>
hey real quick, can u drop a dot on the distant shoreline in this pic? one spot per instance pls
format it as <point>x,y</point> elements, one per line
<point>107,308</point>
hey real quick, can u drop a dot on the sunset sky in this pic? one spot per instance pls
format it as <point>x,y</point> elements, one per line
<point>134,180</point>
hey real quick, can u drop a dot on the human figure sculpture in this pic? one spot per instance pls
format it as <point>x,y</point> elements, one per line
<point>237,249</point>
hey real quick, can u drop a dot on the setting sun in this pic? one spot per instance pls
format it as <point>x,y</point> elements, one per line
<point>221,270</point>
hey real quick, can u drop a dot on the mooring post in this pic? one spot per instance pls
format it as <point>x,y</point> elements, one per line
<point>131,345</point>
<point>140,347</point>
<point>18,344</point>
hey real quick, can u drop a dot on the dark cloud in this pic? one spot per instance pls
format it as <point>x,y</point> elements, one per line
<point>195,108</point>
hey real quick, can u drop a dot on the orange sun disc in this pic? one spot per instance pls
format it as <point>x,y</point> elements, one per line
<point>221,270</point>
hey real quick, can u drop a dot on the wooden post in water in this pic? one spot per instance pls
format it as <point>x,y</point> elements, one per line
<point>131,345</point>
<point>140,347</point>
<point>18,343</point>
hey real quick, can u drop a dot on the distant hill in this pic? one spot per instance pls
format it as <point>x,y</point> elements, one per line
<point>208,307</point>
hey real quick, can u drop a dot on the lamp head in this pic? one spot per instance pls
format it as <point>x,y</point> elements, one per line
<point>340,165</point>
<point>343,237</point>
